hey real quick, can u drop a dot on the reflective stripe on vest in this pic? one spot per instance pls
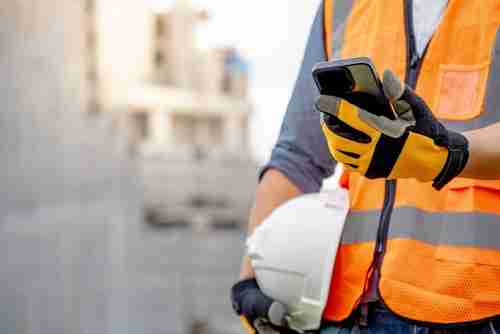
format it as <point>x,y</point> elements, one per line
<point>443,254</point>
<point>470,229</point>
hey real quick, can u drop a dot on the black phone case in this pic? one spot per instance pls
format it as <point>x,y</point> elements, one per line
<point>377,104</point>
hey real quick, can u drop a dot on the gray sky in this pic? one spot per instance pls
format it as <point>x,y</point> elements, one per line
<point>272,36</point>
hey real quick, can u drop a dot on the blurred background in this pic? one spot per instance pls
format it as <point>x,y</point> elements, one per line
<point>131,134</point>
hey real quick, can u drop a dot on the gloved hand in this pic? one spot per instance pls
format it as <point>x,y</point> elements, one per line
<point>414,145</point>
<point>258,312</point>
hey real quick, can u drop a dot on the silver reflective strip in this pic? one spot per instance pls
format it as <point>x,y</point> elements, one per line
<point>341,11</point>
<point>491,112</point>
<point>360,227</point>
<point>454,229</point>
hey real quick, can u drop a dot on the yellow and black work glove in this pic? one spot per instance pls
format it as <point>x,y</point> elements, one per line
<point>414,145</point>
<point>258,312</point>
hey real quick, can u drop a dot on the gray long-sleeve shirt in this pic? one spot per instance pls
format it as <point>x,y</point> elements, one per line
<point>301,152</point>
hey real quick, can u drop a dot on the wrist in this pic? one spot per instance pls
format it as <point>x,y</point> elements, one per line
<point>246,271</point>
<point>458,156</point>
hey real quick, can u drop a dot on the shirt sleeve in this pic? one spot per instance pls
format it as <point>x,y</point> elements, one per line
<point>301,152</point>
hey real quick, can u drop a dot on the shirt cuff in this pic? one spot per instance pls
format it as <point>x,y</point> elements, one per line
<point>299,169</point>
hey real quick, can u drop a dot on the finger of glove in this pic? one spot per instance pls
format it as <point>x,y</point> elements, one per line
<point>344,150</point>
<point>337,143</point>
<point>277,314</point>
<point>419,108</point>
<point>327,104</point>
<point>347,113</point>
<point>344,130</point>
<point>392,128</point>
<point>350,114</point>
<point>405,101</point>
<point>346,158</point>
<point>351,154</point>
<point>393,88</point>
<point>263,327</point>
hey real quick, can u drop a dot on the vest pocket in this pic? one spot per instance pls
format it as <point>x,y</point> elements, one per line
<point>461,91</point>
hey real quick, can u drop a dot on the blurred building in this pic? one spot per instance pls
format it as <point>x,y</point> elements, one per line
<point>187,109</point>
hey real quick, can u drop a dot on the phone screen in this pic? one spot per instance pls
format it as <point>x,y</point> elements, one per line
<point>356,83</point>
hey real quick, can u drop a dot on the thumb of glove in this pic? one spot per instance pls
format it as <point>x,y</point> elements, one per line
<point>398,94</point>
<point>277,314</point>
<point>393,88</point>
<point>407,104</point>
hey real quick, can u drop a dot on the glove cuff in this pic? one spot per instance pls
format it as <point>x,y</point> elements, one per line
<point>458,155</point>
<point>237,291</point>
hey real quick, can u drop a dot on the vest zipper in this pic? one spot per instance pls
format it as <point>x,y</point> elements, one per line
<point>371,290</point>
<point>413,64</point>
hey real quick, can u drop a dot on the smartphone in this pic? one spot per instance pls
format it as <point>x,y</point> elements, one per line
<point>356,81</point>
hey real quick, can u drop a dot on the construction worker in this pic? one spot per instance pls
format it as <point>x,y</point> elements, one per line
<point>420,251</point>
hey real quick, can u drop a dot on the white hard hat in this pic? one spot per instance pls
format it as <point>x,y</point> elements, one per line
<point>293,253</point>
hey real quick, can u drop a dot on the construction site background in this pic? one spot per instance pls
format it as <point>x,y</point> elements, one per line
<point>126,173</point>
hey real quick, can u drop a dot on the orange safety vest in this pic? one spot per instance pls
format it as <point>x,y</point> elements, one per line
<point>441,259</point>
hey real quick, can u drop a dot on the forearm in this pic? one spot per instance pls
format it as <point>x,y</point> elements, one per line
<point>273,190</point>
<point>484,153</point>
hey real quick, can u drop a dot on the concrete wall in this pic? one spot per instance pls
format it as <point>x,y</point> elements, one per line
<point>67,192</point>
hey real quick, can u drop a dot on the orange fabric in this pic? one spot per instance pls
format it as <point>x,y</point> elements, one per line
<point>458,196</point>
<point>328,16</point>
<point>344,180</point>
<point>461,195</point>
<point>369,35</point>
<point>351,267</point>
<point>365,194</point>
<point>456,287</point>
<point>459,284</point>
